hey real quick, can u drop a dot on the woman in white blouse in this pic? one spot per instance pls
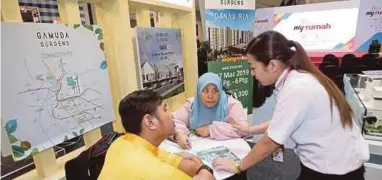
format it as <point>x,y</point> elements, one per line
<point>310,110</point>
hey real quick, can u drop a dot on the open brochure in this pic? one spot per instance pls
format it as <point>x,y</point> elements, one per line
<point>209,155</point>
<point>208,149</point>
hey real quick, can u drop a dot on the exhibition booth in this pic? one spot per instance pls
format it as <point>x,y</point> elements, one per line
<point>74,68</point>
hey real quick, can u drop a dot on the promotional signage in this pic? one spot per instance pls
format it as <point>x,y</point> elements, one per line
<point>319,30</point>
<point>230,4</point>
<point>237,79</point>
<point>369,26</point>
<point>229,27</point>
<point>324,27</point>
<point>263,21</point>
<point>161,60</point>
<point>55,84</point>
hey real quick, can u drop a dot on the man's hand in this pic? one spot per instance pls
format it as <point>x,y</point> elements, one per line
<point>185,155</point>
<point>190,164</point>
<point>204,175</point>
<point>182,140</point>
<point>203,131</point>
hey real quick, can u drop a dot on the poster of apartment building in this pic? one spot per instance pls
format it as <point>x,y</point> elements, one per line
<point>160,60</point>
<point>229,28</point>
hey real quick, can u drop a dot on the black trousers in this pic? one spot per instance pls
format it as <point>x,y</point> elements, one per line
<point>241,176</point>
<point>309,174</point>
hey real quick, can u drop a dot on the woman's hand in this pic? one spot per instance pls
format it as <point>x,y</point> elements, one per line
<point>203,131</point>
<point>243,128</point>
<point>224,164</point>
<point>182,140</point>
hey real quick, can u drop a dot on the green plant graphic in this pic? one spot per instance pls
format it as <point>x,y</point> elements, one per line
<point>19,147</point>
<point>98,32</point>
<point>75,134</point>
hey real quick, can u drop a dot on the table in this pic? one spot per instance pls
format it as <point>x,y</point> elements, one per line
<point>359,94</point>
<point>238,146</point>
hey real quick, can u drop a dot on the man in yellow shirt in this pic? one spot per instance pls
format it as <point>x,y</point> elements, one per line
<point>135,155</point>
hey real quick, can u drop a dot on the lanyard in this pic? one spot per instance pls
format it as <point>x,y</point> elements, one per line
<point>282,81</point>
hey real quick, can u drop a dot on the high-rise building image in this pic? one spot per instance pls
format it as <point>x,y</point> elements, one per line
<point>221,38</point>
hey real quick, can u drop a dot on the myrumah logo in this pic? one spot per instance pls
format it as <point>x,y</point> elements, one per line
<point>374,11</point>
<point>259,21</point>
<point>312,27</point>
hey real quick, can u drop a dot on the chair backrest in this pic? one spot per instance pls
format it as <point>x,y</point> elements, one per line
<point>348,65</point>
<point>367,57</point>
<point>347,56</point>
<point>331,59</point>
<point>331,71</point>
<point>359,68</point>
<point>323,64</point>
<point>379,63</point>
<point>370,61</point>
<point>89,163</point>
<point>260,93</point>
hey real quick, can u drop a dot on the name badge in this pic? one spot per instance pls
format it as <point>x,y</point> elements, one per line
<point>278,155</point>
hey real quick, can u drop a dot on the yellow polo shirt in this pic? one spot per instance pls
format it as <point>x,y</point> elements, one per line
<point>131,157</point>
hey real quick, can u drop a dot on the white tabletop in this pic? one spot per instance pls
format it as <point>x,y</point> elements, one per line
<point>237,146</point>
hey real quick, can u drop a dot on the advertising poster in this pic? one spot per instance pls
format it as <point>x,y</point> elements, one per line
<point>320,30</point>
<point>237,79</point>
<point>229,28</point>
<point>263,20</point>
<point>369,27</point>
<point>55,84</point>
<point>161,61</point>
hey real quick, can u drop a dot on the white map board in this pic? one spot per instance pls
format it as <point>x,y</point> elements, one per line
<point>55,84</point>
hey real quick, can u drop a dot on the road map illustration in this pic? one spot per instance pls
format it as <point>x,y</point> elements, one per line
<point>54,87</point>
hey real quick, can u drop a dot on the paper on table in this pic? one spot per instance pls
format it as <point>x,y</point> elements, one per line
<point>237,146</point>
<point>172,147</point>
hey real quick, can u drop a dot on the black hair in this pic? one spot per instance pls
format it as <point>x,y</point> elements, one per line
<point>135,106</point>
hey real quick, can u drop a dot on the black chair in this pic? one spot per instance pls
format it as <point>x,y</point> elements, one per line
<point>331,71</point>
<point>379,63</point>
<point>331,59</point>
<point>370,61</point>
<point>340,82</point>
<point>323,64</point>
<point>260,93</point>
<point>348,65</point>
<point>346,57</point>
<point>359,68</point>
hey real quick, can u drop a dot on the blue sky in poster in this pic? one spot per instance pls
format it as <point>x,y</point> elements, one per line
<point>238,18</point>
<point>160,46</point>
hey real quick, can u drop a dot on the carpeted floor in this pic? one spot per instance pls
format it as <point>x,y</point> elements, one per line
<point>271,170</point>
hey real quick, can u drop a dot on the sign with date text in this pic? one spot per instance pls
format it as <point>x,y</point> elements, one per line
<point>237,79</point>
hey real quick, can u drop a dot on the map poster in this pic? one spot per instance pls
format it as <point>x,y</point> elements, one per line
<point>55,84</point>
<point>161,61</point>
